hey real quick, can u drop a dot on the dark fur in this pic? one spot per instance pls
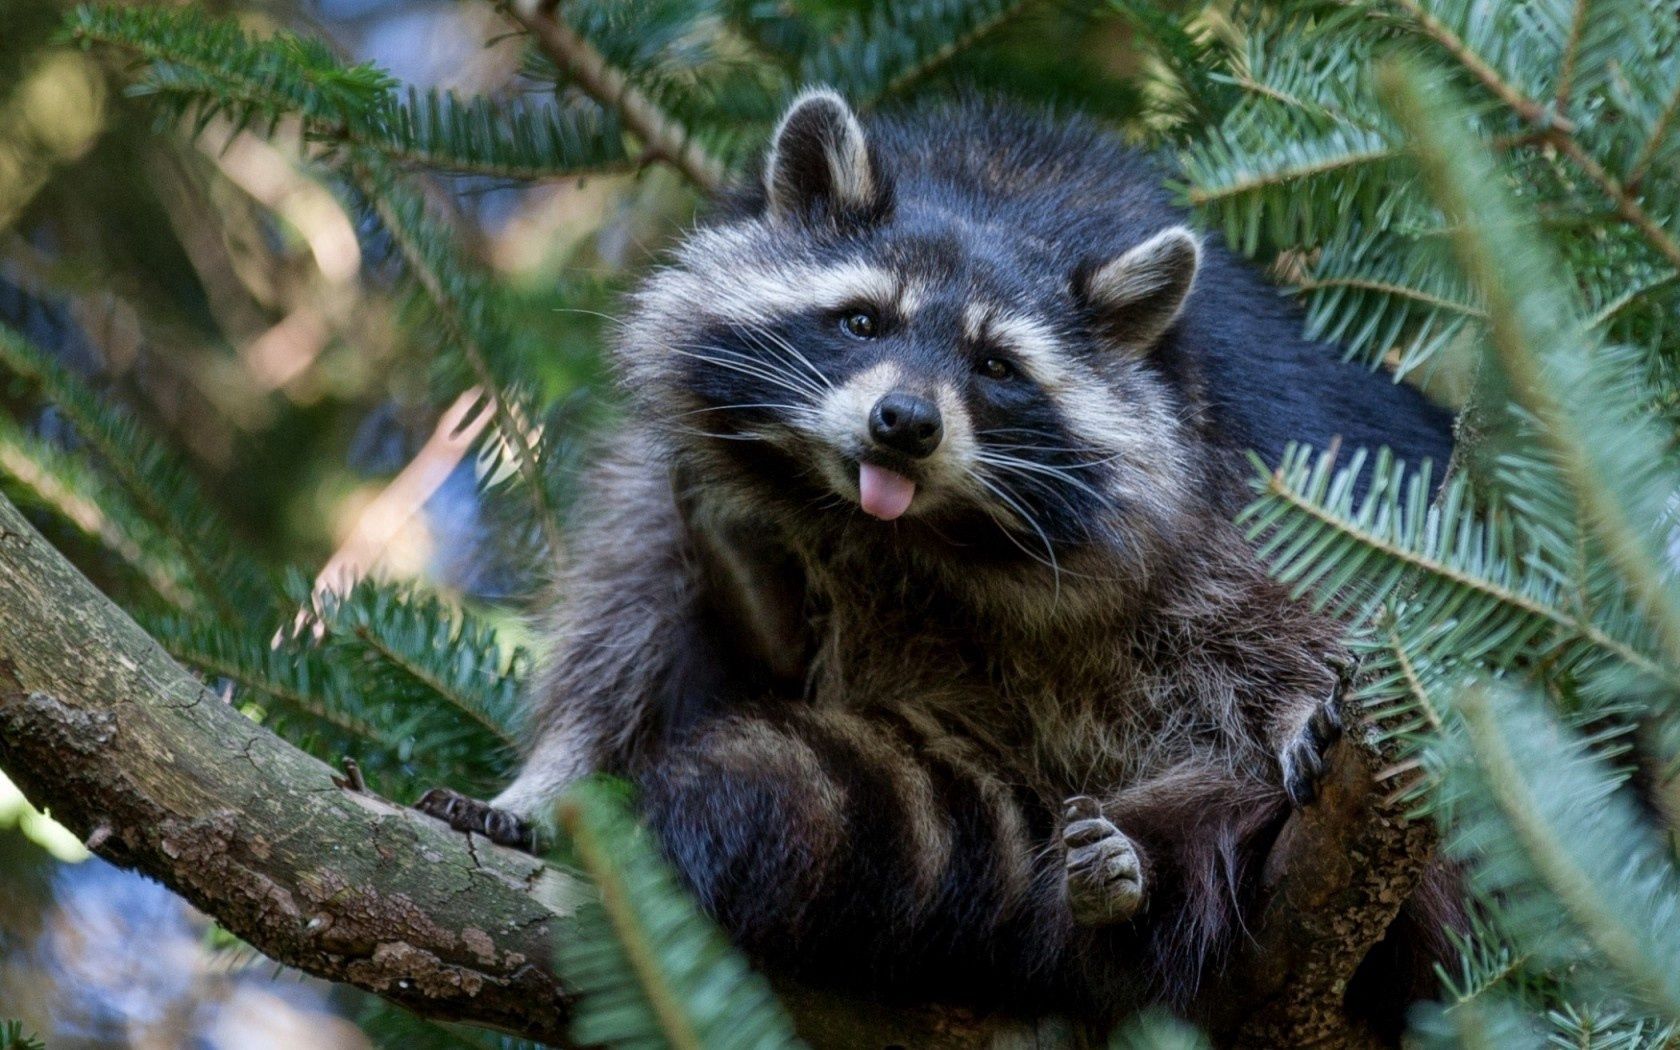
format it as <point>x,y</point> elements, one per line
<point>857,738</point>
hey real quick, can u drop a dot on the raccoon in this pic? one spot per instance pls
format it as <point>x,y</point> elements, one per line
<point>909,596</point>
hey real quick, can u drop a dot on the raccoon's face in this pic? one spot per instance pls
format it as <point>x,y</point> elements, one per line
<point>852,345</point>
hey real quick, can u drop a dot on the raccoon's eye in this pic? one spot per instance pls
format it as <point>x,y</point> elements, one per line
<point>860,324</point>
<point>997,368</point>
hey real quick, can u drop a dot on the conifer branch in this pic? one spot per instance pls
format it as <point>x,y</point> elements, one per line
<point>201,66</point>
<point>1418,699</point>
<point>1311,284</point>
<point>1203,195</point>
<point>1279,487</point>
<point>1630,295</point>
<point>263,686</point>
<point>1285,98</point>
<point>70,489</point>
<point>1536,347</point>
<point>1486,962</point>
<point>1625,200</point>
<point>1571,52</point>
<point>672,1022</point>
<point>888,48</point>
<point>1550,124</point>
<point>160,487</point>
<point>662,134</point>
<point>1655,138</point>
<point>1540,116</point>
<point>444,689</point>
<point>517,429</point>
<point>1609,926</point>
<point>988,25</point>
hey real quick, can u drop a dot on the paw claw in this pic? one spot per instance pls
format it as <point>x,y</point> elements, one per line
<point>1085,832</point>
<point>1104,874</point>
<point>1305,758</point>
<point>1081,807</point>
<point>472,816</point>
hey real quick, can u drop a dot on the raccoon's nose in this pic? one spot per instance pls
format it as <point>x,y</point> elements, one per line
<point>906,423</point>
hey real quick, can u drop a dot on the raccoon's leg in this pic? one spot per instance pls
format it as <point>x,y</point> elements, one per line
<point>1199,832</point>
<point>866,848</point>
<point>663,620</point>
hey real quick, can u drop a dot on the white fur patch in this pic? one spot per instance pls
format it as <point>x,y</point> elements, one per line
<point>1031,342</point>
<point>843,416</point>
<point>1144,270</point>
<point>726,280</point>
<point>562,755</point>
<point>955,454</point>
<point>1162,269</point>
<point>1129,432</point>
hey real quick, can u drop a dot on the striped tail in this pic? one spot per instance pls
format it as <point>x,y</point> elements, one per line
<point>873,850</point>
<point>881,851</point>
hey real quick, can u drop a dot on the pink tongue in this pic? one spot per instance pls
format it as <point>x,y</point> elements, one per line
<point>885,495</point>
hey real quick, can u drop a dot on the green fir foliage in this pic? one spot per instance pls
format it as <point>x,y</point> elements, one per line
<point>13,1037</point>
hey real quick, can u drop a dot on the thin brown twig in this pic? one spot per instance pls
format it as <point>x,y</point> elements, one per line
<point>1557,130</point>
<point>662,134</point>
<point>1571,53</point>
<point>1526,108</point>
<point>516,430</point>
<point>1626,202</point>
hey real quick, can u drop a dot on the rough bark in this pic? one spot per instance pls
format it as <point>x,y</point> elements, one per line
<point>127,748</point>
<point>1335,880</point>
<point>132,752</point>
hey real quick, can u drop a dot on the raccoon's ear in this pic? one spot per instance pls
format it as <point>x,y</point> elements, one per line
<point>1137,296</point>
<point>818,156</point>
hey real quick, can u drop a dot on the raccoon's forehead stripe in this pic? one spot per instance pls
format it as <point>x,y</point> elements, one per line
<point>759,293</point>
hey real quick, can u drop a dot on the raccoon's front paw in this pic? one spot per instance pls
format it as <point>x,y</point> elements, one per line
<point>1104,873</point>
<point>471,815</point>
<point>1305,757</point>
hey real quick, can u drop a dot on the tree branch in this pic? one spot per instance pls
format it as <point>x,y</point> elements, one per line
<point>1334,882</point>
<point>100,725</point>
<point>662,134</point>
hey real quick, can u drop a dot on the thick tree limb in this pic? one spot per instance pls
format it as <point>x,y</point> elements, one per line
<point>128,748</point>
<point>132,752</point>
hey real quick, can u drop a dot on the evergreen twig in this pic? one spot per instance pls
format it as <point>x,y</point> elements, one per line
<point>662,134</point>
